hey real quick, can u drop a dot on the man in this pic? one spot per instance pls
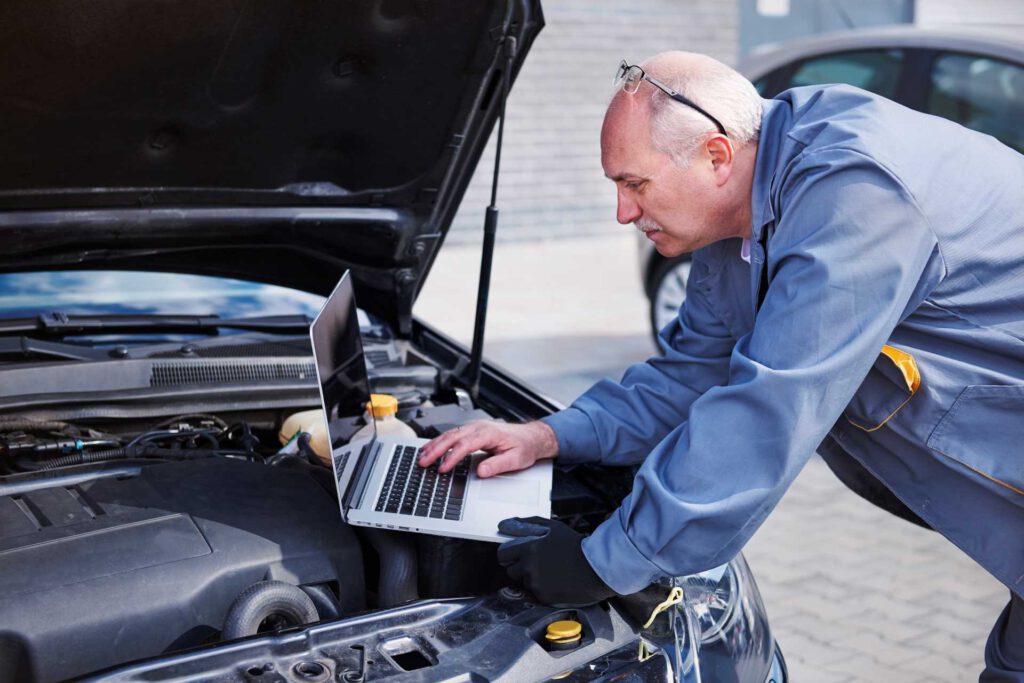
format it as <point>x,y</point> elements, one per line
<point>857,287</point>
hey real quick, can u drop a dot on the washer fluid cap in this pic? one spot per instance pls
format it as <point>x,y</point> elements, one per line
<point>382,405</point>
<point>564,631</point>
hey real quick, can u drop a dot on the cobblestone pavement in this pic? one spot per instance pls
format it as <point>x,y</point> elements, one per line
<point>853,594</point>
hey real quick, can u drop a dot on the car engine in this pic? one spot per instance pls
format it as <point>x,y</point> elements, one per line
<point>125,539</point>
<point>110,563</point>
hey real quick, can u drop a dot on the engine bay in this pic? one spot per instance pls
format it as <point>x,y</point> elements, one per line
<point>123,539</point>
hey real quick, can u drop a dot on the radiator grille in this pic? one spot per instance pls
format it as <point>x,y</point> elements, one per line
<point>178,374</point>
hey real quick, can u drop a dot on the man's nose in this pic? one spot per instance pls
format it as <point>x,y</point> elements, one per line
<point>628,210</point>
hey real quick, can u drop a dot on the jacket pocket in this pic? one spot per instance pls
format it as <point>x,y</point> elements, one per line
<point>891,383</point>
<point>984,430</point>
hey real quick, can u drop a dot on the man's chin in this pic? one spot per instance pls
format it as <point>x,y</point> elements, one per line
<point>669,250</point>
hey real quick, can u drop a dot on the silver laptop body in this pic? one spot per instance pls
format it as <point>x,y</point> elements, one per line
<point>379,482</point>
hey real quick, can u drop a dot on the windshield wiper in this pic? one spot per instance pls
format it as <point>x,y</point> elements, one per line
<point>59,325</point>
<point>27,347</point>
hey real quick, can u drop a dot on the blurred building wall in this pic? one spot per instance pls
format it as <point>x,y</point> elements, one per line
<point>1001,13</point>
<point>772,21</point>
<point>551,181</point>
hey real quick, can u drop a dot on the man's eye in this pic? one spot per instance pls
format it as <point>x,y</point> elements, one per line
<point>633,186</point>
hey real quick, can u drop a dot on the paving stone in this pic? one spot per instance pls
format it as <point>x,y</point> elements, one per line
<point>938,666</point>
<point>952,647</point>
<point>811,673</point>
<point>881,649</point>
<point>867,670</point>
<point>895,608</point>
<point>898,632</point>
<point>956,625</point>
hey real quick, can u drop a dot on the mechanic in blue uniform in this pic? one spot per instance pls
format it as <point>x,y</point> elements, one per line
<point>857,288</point>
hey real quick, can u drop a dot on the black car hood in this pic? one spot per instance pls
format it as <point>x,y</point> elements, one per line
<point>276,142</point>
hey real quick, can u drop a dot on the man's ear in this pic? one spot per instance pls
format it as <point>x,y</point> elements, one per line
<point>720,152</point>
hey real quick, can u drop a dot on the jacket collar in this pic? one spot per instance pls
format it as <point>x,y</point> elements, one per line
<point>775,121</point>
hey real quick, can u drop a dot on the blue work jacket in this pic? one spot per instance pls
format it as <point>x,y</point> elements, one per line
<point>881,318</point>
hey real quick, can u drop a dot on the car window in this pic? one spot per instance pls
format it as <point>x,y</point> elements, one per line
<point>874,70</point>
<point>761,85</point>
<point>980,93</point>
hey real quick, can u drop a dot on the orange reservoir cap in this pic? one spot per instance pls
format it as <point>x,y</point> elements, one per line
<point>382,405</point>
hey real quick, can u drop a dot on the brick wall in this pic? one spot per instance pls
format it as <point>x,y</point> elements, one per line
<point>551,180</point>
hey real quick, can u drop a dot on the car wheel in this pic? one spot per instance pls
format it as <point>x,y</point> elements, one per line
<point>668,290</point>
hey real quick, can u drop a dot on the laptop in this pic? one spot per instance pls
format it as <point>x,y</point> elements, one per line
<point>379,481</point>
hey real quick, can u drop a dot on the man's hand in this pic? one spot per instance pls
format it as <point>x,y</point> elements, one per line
<point>547,559</point>
<point>512,447</point>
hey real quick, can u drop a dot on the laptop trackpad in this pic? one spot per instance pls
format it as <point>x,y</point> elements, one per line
<point>510,490</point>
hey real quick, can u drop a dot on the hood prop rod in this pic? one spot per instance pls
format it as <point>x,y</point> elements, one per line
<point>490,229</point>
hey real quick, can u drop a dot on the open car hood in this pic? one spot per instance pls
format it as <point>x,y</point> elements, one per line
<point>279,143</point>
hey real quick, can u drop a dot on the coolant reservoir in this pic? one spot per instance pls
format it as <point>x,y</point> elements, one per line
<point>383,410</point>
<point>313,423</point>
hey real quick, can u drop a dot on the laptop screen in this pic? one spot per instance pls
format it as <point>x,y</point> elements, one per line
<point>344,385</point>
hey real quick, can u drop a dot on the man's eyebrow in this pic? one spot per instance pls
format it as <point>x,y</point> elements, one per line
<point>623,176</point>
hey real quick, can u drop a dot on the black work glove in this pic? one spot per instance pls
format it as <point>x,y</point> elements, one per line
<point>547,559</point>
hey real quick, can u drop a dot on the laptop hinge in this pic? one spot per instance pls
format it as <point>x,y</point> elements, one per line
<point>357,484</point>
<point>490,229</point>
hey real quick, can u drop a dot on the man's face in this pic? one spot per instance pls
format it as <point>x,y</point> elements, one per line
<point>674,207</point>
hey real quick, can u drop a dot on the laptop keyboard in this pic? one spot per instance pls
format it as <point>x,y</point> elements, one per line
<point>422,491</point>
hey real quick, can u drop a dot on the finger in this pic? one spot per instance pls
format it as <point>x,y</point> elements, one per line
<point>513,461</point>
<point>463,447</point>
<point>438,446</point>
<point>509,552</point>
<point>520,527</point>
<point>448,452</point>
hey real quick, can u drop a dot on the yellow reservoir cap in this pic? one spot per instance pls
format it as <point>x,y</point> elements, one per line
<point>382,405</point>
<point>564,631</point>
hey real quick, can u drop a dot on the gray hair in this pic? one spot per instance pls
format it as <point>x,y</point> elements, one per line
<point>678,130</point>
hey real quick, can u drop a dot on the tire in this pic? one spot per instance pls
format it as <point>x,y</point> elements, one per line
<point>667,290</point>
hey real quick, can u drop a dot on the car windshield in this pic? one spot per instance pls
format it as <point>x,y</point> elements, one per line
<point>131,292</point>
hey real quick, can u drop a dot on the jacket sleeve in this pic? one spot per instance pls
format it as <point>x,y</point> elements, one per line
<point>617,423</point>
<point>851,255</point>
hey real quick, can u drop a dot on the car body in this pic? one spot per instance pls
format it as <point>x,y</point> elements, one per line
<point>972,76</point>
<point>186,183</point>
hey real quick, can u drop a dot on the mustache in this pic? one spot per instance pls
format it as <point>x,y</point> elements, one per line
<point>645,224</point>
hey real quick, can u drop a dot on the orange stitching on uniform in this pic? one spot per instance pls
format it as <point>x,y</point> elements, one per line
<point>883,422</point>
<point>990,478</point>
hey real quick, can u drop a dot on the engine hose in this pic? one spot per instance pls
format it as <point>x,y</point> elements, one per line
<point>143,451</point>
<point>16,424</point>
<point>263,600</point>
<point>398,576</point>
<point>83,457</point>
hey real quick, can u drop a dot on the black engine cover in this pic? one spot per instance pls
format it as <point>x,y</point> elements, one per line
<point>123,567</point>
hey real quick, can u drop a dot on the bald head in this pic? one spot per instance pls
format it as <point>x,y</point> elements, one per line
<point>678,178</point>
<point>674,128</point>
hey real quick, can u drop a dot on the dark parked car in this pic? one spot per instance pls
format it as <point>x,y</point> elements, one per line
<point>182,183</point>
<point>973,77</point>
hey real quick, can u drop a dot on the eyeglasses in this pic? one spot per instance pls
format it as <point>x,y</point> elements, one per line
<point>628,78</point>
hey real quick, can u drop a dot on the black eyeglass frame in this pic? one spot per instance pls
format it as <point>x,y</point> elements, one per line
<point>620,81</point>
